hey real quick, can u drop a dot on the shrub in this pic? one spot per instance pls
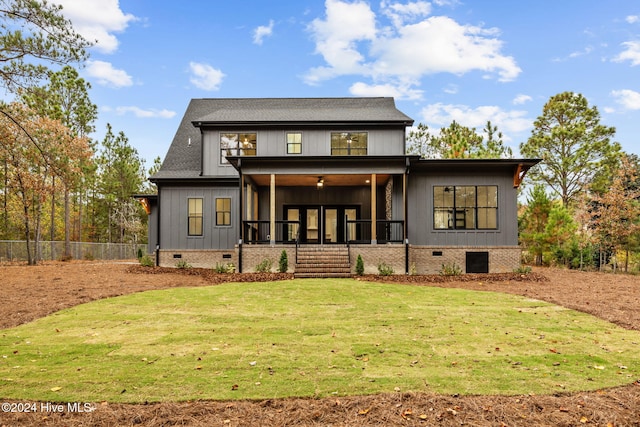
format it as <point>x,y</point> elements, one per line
<point>283,264</point>
<point>523,269</point>
<point>412,269</point>
<point>359,266</point>
<point>384,269</point>
<point>146,261</point>
<point>183,264</point>
<point>264,266</point>
<point>450,270</point>
<point>225,268</point>
<point>139,253</point>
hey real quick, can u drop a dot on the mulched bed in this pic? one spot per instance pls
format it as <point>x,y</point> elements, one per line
<point>32,292</point>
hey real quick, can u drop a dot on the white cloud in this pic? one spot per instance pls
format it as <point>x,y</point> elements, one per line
<point>632,19</point>
<point>336,38</point>
<point>351,43</point>
<point>262,31</point>
<point>400,13</point>
<point>521,99</point>
<point>145,114</point>
<point>629,99</point>
<point>97,20</point>
<point>106,75</point>
<point>398,92</point>
<point>451,89</point>
<point>632,53</point>
<point>205,77</point>
<point>441,45</point>
<point>442,115</point>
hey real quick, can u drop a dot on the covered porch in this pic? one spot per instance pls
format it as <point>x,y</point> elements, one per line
<point>322,201</point>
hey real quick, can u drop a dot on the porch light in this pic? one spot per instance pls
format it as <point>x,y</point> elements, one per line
<point>320,183</point>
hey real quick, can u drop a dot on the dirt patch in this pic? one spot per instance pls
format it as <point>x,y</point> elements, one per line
<point>32,292</point>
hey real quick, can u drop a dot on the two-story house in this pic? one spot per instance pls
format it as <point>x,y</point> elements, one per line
<point>326,180</point>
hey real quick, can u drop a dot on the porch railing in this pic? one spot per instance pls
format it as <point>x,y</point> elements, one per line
<point>356,231</point>
<point>259,231</point>
<point>359,231</point>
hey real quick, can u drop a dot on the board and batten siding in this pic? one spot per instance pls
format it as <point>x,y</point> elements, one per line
<point>315,142</point>
<point>173,221</point>
<point>420,211</point>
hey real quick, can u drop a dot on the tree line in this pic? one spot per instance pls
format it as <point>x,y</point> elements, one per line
<point>57,183</point>
<point>581,205</point>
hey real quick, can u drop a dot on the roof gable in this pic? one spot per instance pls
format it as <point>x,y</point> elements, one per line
<point>183,159</point>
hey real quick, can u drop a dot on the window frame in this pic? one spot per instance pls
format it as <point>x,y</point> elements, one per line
<point>226,214</point>
<point>452,211</point>
<point>350,148</point>
<point>194,217</point>
<point>290,144</point>
<point>234,149</point>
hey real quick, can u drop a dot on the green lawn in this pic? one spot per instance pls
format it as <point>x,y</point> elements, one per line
<point>311,338</point>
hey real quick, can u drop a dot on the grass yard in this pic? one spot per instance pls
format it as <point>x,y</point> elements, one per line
<point>311,338</point>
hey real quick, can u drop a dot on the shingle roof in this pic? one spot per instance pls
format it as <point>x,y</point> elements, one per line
<point>183,159</point>
<point>262,110</point>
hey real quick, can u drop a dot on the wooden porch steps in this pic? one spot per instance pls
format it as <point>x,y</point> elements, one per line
<point>323,261</point>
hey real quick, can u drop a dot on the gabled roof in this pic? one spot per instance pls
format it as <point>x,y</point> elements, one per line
<point>183,157</point>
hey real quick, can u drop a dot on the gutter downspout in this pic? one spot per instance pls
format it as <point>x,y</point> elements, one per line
<point>158,228</point>
<point>405,201</point>
<point>241,215</point>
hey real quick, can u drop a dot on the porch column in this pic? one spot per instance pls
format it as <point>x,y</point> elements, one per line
<point>272,210</point>
<point>241,208</point>
<point>374,216</point>
<point>407,267</point>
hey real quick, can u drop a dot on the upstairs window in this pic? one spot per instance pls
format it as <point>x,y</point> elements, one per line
<point>349,143</point>
<point>294,142</point>
<point>223,211</point>
<point>237,144</point>
<point>465,207</point>
<point>194,217</point>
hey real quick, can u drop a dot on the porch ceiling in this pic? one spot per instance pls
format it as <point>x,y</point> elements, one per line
<point>339,180</point>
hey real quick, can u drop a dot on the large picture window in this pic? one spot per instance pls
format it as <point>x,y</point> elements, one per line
<point>194,217</point>
<point>466,207</point>
<point>237,144</point>
<point>349,143</point>
<point>223,211</point>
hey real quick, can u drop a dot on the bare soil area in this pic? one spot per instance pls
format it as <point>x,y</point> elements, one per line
<point>32,292</point>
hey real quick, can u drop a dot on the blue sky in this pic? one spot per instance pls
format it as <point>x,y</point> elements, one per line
<point>443,60</point>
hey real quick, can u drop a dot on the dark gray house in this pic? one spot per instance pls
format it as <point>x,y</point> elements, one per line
<point>326,180</point>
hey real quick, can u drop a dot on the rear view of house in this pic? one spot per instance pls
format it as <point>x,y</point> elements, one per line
<point>326,178</point>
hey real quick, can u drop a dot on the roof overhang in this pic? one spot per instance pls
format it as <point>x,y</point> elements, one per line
<point>333,170</point>
<point>300,124</point>
<point>518,167</point>
<point>319,164</point>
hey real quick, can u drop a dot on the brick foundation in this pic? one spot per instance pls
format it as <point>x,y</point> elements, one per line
<point>198,258</point>
<point>252,255</point>
<point>430,259</point>
<point>392,255</point>
<point>422,259</point>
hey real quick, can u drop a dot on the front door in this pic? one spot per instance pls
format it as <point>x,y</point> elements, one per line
<point>322,224</point>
